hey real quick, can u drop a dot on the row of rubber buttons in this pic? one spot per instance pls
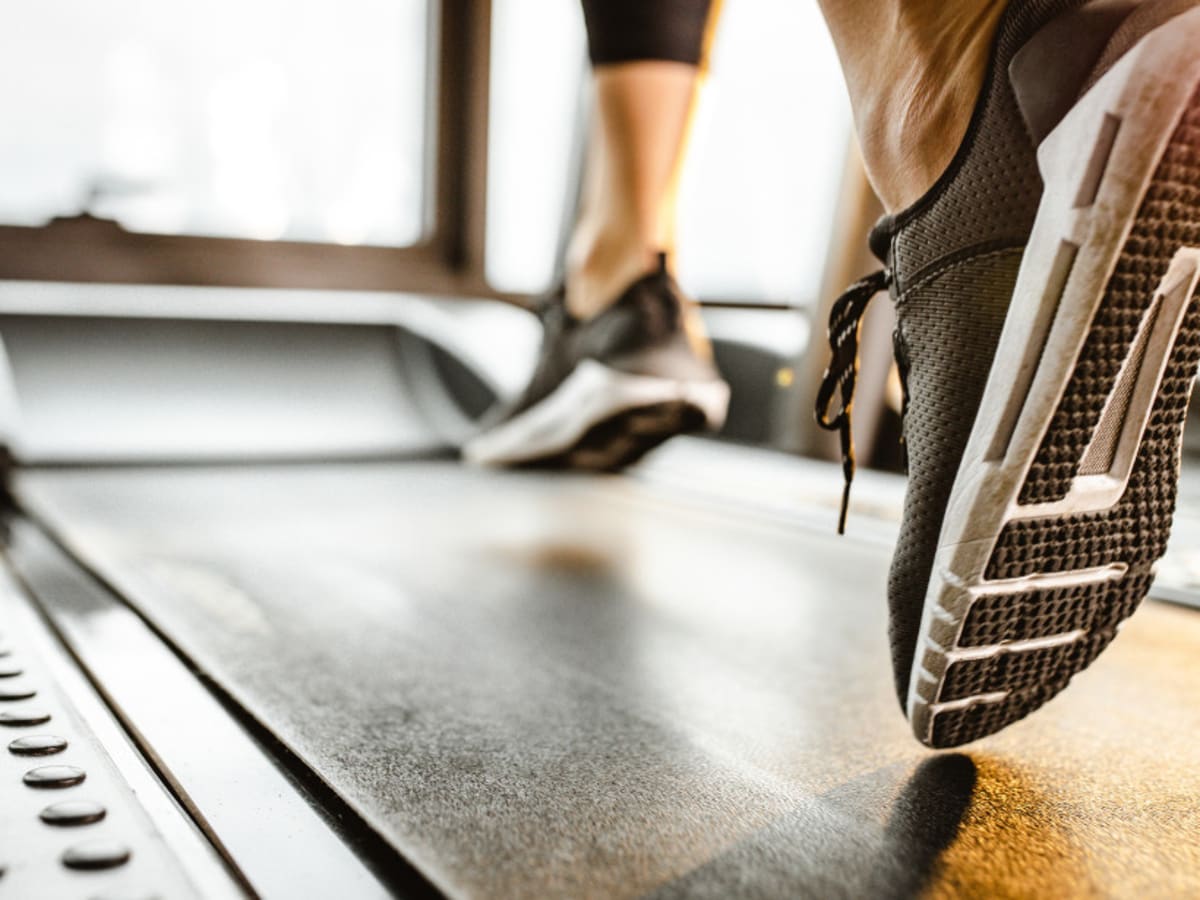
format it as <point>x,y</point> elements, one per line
<point>88,855</point>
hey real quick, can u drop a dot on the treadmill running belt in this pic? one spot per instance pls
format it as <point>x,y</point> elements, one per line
<point>540,686</point>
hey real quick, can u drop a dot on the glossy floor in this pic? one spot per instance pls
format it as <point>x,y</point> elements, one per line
<point>570,686</point>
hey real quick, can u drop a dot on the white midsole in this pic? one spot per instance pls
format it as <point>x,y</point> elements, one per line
<point>1146,92</point>
<point>590,394</point>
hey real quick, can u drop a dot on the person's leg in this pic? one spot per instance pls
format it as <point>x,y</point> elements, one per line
<point>914,69</point>
<point>627,214</point>
<point>647,61</point>
<point>624,363</point>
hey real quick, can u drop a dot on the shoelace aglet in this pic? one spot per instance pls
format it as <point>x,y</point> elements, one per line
<point>848,467</point>
<point>845,508</point>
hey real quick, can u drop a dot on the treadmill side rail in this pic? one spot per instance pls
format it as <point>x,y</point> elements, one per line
<point>268,826</point>
<point>82,813</point>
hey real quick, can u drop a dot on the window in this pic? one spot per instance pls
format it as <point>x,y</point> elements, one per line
<point>771,135</point>
<point>535,118</point>
<point>759,189</point>
<point>269,119</point>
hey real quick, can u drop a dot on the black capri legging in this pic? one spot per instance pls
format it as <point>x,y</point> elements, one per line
<point>629,30</point>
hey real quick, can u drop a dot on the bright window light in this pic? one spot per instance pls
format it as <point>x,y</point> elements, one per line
<point>760,186</point>
<point>271,119</point>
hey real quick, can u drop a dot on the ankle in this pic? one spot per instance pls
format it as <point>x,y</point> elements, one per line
<point>913,102</point>
<point>598,273</point>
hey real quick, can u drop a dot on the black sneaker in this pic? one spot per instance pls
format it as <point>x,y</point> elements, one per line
<point>1048,340</point>
<point>608,389</point>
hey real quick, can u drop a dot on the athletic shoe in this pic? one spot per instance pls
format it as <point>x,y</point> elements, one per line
<point>608,389</point>
<point>1048,342</point>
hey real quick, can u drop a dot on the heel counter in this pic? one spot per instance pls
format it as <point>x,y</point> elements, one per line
<point>1056,66</point>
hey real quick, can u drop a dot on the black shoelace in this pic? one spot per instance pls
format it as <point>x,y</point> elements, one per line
<point>845,322</point>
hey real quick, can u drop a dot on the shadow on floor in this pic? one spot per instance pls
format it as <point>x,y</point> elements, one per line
<point>835,845</point>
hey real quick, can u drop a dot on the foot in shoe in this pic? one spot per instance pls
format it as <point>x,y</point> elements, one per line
<point>1048,337</point>
<point>609,388</point>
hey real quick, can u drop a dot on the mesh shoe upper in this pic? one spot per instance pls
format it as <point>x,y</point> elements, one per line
<point>954,258</point>
<point>643,332</point>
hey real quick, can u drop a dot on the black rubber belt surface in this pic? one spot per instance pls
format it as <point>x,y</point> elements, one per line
<point>569,686</point>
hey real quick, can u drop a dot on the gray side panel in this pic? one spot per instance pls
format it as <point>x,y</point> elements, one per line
<point>116,389</point>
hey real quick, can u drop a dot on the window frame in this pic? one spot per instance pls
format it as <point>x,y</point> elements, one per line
<point>448,261</point>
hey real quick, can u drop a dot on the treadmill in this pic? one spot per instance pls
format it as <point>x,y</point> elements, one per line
<point>263,635</point>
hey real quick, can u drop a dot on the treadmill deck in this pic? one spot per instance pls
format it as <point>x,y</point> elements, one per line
<point>604,686</point>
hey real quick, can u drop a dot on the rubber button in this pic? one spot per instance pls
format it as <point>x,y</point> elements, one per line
<point>54,776</point>
<point>38,745</point>
<point>24,719</point>
<point>9,670</point>
<point>73,812</point>
<point>98,854</point>
<point>16,693</point>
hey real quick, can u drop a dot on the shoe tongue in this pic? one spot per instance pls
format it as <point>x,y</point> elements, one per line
<point>553,305</point>
<point>880,238</point>
<point>658,274</point>
<point>556,296</point>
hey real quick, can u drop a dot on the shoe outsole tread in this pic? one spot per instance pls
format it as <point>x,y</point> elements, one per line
<point>1067,626</point>
<point>622,439</point>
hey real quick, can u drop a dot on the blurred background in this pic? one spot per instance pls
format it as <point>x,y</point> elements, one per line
<point>316,121</point>
<point>425,147</point>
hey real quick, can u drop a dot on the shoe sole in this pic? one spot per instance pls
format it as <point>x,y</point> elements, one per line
<point>1063,501</point>
<point>602,419</point>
